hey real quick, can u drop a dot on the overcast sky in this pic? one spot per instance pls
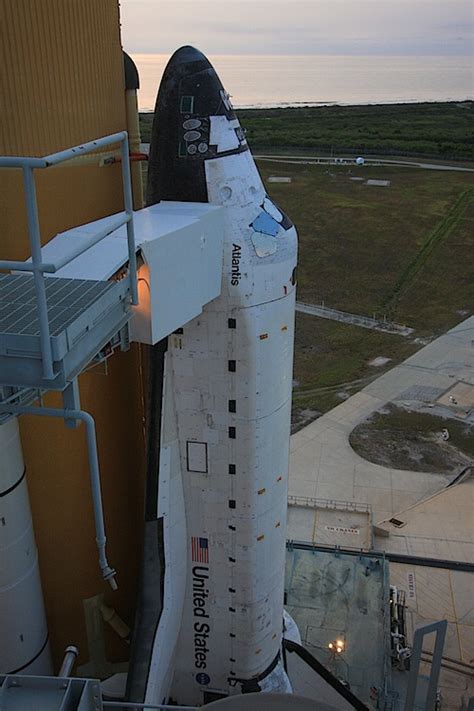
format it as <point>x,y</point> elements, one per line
<point>399,27</point>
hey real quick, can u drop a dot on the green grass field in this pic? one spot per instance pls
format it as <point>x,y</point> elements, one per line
<point>429,129</point>
<point>358,243</point>
<point>405,250</point>
<point>444,130</point>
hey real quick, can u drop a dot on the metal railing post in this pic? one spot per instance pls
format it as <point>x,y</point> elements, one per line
<point>28,164</point>
<point>128,203</point>
<point>40,287</point>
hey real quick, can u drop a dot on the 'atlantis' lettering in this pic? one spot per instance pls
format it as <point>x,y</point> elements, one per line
<point>236,257</point>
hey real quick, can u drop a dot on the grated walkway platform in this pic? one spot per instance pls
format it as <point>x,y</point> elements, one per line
<point>83,317</point>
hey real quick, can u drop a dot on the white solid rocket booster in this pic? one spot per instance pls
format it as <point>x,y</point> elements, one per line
<point>24,647</point>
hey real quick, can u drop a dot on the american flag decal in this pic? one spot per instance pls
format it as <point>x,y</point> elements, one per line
<point>199,550</point>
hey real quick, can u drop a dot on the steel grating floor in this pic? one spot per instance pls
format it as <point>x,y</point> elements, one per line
<point>67,299</point>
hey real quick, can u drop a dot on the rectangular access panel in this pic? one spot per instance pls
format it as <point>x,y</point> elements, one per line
<point>196,455</point>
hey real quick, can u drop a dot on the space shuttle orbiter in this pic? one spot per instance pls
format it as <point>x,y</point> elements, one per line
<point>210,615</point>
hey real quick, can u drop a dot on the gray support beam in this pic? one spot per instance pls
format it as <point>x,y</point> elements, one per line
<point>40,287</point>
<point>429,704</point>
<point>72,401</point>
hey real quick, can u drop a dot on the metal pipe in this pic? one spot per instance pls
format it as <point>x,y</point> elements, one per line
<point>108,573</point>
<point>69,659</point>
<point>21,162</point>
<point>19,266</point>
<point>137,705</point>
<point>40,287</point>
<point>88,147</point>
<point>128,202</point>
<point>61,156</point>
<point>133,129</point>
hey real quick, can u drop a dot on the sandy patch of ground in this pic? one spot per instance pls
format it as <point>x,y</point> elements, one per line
<point>402,439</point>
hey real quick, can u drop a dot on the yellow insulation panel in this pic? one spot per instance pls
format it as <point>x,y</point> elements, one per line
<point>63,84</point>
<point>62,73</point>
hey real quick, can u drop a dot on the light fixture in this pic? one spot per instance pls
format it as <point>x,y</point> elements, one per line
<point>337,645</point>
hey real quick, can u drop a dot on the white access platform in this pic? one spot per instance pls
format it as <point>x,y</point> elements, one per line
<point>89,301</point>
<point>179,249</point>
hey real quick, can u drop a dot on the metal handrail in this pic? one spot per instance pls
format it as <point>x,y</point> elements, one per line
<point>37,266</point>
<point>329,504</point>
<point>80,248</point>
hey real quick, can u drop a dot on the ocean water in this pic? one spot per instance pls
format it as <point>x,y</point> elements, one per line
<point>264,80</point>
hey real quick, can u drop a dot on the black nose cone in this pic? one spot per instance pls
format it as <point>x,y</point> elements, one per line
<point>190,93</point>
<point>187,55</point>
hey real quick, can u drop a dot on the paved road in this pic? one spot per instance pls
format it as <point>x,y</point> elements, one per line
<point>325,160</point>
<point>353,319</point>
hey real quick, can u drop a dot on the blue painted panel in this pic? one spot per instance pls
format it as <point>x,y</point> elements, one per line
<point>265,224</point>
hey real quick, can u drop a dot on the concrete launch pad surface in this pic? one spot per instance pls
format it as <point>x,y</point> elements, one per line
<point>435,594</point>
<point>326,522</point>
<point>439,527</point>
<point>460,398</point>
<point>324,465</point>
<point>435,521</point>
<point>335,597</point>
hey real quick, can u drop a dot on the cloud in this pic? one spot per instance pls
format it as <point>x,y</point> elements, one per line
<point>298,26</point>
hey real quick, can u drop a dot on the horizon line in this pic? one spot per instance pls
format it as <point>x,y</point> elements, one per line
<point>309,54</point>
